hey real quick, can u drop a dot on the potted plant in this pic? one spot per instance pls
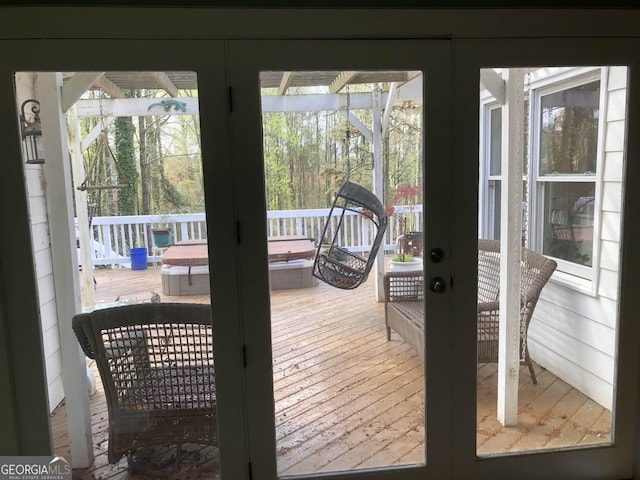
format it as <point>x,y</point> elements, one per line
<point>161,234</point>
<point>161,237</point>
<point>405,262</point>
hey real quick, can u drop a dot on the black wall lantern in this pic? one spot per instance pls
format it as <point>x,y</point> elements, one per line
<point>32,132</point>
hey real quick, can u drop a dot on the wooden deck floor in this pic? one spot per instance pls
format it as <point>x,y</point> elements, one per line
<point>346,397</point>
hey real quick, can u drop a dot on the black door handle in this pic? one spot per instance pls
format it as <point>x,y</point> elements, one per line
<point>437,255</point>
<point>438,285</point>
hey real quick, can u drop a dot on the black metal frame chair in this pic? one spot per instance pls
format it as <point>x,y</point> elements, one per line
<point>336,265</point>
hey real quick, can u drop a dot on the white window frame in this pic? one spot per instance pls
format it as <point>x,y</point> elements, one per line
<point>575,273</point>
<point>555,80</point>
<point>486,213</point>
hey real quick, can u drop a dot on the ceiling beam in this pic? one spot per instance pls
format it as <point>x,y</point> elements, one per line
<point>107,86</point>
<point>137,107</point>
<point>353,120</point>
<point>494,84</point>
<point>284,83</point>
<point>315,102</point>
<point>341,80</point>
<point>413,74</point>
<point>76,86</point>
<point>165,82</point>
<point>410,91</point>
<point>95,132</point>
<point>388,106</point>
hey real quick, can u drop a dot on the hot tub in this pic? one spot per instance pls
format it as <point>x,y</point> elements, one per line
<point>293,274</point>
<point>185,280</point>
<point>185,265</point>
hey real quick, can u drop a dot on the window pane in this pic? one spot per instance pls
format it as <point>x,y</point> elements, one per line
<point>559,391</point>
<point>495,151</point>
<point>140,191</point>
<point>348,393</point>
<point>569,130</point>
<point>568,228</point>
<point>495,192</point>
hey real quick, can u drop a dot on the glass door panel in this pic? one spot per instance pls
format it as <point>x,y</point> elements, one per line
<point>348,395</point>
<point>344,392</point>
<point>563,394</point>
<point>128,151</point>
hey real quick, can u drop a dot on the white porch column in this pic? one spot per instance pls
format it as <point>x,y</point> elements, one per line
<point>375,137</point>
<point>65,264</point>
<point>510,247</point>
<point>378,184</point>
<point>84,235</point>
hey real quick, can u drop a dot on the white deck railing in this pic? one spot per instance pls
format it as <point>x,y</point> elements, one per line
<point>113,237</point>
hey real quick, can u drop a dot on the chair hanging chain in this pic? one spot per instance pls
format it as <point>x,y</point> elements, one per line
<point>105,142</point>
<point>348,135</point>
<point>101,112</point>
<point>348,132</point>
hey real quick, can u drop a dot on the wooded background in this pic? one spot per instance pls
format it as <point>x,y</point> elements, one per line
<point>307,155</point>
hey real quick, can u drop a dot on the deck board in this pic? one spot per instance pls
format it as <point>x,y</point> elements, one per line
<point>347,398</point>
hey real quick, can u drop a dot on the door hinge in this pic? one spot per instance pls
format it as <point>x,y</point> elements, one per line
<point>230,100</point>
<point>238,239</point>
<point>244,356</point>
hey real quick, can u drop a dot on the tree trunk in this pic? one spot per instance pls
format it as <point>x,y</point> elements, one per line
<point>145,168</point>
<point>125,155</point>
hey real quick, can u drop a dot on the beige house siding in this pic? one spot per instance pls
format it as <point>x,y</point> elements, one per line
<point>573,332</point>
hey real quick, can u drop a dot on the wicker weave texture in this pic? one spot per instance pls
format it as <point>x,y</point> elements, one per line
<point>156,362</point>
<point>404,286</point>
<point>536,270</point>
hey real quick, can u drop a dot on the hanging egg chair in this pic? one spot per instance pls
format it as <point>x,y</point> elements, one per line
<point>336,265</point>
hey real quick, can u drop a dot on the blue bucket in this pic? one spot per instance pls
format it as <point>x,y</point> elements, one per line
<point>138,258</point>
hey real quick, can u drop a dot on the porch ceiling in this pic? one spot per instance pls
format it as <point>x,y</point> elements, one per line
<point>153,80</point>
<point>335,80</point>
<point>113,83</point>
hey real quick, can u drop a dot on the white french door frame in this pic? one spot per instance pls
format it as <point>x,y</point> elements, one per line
<point>606,461</point>
<point>247,59</point>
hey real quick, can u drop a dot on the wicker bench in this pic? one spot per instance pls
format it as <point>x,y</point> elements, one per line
<point>156,364</point>
<point>404,303</point>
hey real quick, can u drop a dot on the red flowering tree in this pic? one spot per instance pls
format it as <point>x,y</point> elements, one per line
<point>407,194</point>
<point>409,241</point>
